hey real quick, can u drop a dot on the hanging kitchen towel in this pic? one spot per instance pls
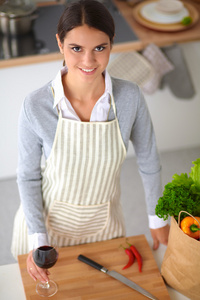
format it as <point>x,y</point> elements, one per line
<point>179,80</point>
<point>131,66</point>
<point>161,65</point>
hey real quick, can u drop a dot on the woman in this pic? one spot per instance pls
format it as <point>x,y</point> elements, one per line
<point>82,122</point>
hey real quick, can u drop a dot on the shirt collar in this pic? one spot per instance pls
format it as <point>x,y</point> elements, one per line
<point>58,86</point>
<point>108,83</point>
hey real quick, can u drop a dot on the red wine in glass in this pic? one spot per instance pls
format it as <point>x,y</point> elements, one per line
<point>45,257</point>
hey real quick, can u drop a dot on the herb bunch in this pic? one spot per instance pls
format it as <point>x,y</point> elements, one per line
<point>182,193</point>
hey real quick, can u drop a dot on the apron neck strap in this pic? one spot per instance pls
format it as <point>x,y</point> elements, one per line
<point>113,104</point>
<point>58,109</point>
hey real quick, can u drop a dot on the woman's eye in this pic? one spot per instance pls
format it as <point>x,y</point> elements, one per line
<point>99,48</point>
<point>76,49</point>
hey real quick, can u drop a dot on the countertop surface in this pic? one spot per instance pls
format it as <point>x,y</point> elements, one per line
<point>11,286</point>
<point>144,36</point>
<point>77,280</point>
<point>147,36</point>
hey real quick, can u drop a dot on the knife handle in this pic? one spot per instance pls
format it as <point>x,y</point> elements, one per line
<point>90,262</point>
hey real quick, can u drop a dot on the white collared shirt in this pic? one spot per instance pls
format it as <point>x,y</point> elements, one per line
<point>101,108</point>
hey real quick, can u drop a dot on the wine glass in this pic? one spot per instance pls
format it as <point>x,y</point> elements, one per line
<point>45,257</point>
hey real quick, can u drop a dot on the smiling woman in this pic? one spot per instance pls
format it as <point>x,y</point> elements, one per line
<point>82,121</point>
<point>86,52</point>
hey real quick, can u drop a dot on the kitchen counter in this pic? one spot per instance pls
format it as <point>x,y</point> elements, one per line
<point>11,286</point>
<point>145,36</point>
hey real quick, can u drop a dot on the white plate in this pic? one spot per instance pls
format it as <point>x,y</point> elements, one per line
<point>150,13</point>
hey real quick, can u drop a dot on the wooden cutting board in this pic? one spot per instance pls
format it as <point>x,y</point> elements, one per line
<point>78,281</point>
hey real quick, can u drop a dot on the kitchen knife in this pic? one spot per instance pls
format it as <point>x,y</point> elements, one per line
<point>117,276</point>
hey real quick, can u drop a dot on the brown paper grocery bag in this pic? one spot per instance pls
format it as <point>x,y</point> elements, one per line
<point>181,264</point>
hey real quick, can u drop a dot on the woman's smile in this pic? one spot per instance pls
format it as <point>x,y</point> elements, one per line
<point>87,50</point>
<point>88,71</point>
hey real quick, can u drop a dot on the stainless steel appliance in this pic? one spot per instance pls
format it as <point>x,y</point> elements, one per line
<point>17,17</point>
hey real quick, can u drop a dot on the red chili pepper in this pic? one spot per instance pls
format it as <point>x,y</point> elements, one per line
<point>131,258</point>
<point>137,255</point>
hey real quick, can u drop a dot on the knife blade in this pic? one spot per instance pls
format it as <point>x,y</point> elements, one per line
<point>117,276</point>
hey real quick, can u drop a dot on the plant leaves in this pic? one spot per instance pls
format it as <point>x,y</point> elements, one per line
<point>195,174</point>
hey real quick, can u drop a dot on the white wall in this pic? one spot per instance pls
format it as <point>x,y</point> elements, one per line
<point>176,121</point>
<point>15,84</point>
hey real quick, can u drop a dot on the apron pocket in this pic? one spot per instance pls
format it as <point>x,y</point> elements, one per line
<point>77,221</point>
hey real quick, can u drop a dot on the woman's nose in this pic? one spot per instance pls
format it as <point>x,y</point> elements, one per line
<point>89,59</point>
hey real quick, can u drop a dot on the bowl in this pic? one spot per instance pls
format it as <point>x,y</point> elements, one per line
<point>169,6</point>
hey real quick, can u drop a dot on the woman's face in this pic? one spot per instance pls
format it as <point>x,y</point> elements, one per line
<point>86,52</point>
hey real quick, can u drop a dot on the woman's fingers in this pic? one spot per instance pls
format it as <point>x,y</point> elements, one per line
<point>160,235</point>
<point>29,270</point>
<point>36,272</point>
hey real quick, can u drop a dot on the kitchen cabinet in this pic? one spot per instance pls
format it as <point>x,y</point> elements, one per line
<point>145,36</point>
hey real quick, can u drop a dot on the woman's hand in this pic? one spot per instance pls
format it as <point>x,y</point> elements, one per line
<point>160,235</point>
<point>34,271</point>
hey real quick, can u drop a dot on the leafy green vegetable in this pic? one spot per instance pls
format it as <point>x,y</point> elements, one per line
<point>195,173</point>
<point>183,193</point>
<point>186,21</point>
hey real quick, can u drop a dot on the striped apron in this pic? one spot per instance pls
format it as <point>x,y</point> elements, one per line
<point>81,184</point>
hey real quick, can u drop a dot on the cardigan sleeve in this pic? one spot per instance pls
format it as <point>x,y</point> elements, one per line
<point>136,126</point>
<point>144,142</point>
<point>29,172</point>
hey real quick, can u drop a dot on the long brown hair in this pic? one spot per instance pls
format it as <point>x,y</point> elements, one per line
<point>89,12</point>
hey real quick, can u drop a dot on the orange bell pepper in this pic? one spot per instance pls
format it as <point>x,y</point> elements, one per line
<point>191,227</point>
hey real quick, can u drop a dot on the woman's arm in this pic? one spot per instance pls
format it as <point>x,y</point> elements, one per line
<point>29,171</point>
<point>136,125</point>
<point>144,142</point>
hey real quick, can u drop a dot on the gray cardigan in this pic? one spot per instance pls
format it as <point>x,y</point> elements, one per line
<point>37,127</point>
